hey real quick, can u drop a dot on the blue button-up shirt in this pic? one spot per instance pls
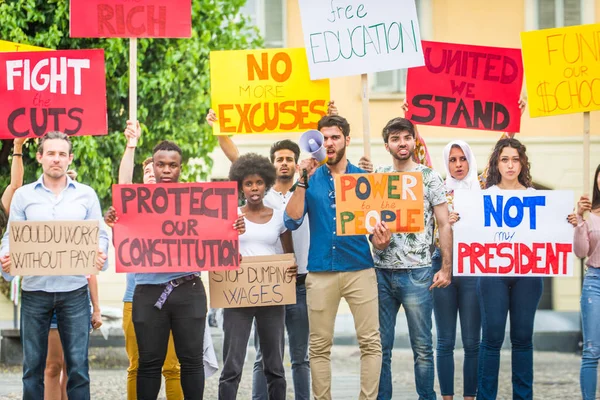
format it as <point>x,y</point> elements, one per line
<point>329,252</point>
<point>35,202</point>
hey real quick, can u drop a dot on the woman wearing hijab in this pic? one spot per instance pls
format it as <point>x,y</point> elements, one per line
<point>458,297</point>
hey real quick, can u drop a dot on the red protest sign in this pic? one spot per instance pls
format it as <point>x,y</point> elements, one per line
<point>177,227</point>
<point>118,18</point>
<point>466,86</point>
<point>63,90</point>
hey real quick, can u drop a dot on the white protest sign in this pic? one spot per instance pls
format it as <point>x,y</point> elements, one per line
<point>353,37</point>
<point>53,247</point>
<point>513,233</point>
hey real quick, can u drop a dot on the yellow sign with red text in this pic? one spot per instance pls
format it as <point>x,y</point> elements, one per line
<point>265,91</point>
<point>6,47</point>
<point>562,70</point>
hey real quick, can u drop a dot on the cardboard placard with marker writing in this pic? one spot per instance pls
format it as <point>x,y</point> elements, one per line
<point>260,281</point>
<point>562,70</point>
<point>53,247</point>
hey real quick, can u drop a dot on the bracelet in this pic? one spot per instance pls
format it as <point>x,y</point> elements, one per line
<point>17,154</point>
<point>301,184</point>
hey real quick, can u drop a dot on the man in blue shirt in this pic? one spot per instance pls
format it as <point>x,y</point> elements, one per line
<point>54,196</point>
<point>338,266</point>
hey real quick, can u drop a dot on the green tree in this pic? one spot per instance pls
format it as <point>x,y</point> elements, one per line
<point>173,86</point>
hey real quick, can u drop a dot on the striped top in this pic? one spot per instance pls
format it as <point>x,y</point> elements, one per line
<point>587,239</point>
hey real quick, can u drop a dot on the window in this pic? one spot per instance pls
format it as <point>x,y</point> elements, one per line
<point>269,17</point>
<point>394,81</point>
<point>558,13</point>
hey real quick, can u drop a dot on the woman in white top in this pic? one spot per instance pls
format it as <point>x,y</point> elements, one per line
<point>499,296</point>
<point>264,230</point>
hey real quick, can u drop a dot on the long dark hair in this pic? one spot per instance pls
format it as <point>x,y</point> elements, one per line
<point>494,176</point>
<point>596,193</point>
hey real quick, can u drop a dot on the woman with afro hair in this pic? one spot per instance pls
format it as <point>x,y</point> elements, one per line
<point>265,235</point>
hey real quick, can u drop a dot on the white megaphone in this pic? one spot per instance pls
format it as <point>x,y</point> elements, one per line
<point>312,142</point>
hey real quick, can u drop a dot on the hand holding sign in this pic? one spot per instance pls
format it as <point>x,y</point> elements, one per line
<point>584,204</point>
<point>381,236</point>
<point>5,260</point>
<point>132,133</point>
<point>110,218</point>
<point>100,259</point>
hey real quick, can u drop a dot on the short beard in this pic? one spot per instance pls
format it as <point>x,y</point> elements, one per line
<point>338,156</point>
<point>285,178</point>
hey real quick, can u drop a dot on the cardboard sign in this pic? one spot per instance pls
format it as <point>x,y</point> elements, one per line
<point>53,247</point>
<point>12,47</point>
<point>354,37</point>
<point>362,200</point>
<point>265,91</point>
<point>562,70</point>
<point>131,19</point>
<point>176,227</point>
<point>465,86</point>
<point>62,90</point>
<point>260,281</point>
<point>513,233</point>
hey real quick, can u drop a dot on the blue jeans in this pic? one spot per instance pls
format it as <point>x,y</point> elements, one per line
<point>409,288</point>
<point>498,296</point>
<point>296,324</point>
<point>460,297</point>
<point>73,315</point>
<point>590,315</point>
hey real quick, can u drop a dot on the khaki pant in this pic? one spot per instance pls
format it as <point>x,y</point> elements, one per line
<point>170,370</point>
<point>324,291</point>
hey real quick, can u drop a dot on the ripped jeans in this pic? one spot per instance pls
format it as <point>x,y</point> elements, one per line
<point>590,315</point>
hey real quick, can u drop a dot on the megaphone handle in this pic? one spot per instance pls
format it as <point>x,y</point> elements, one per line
<point>305,177</point>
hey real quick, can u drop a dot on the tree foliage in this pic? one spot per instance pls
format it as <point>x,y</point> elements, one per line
<point>173,86</point>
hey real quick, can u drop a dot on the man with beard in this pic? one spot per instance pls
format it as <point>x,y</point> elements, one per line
<point>403,265</point>
<point>339,266</point>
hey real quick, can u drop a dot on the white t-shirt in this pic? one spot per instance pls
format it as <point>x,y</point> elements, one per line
<point>263,239</point>
<point>301,236</point>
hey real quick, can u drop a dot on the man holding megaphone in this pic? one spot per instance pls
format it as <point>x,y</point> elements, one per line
<point>339,266</point>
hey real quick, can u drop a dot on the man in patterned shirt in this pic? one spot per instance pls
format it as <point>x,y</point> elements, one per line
<point>403,264</point>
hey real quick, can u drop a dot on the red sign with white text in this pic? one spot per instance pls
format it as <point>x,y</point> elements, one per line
<point>131,19</point>
<point>464,86</point>
<point>63,90</point>
<point>176,227</point>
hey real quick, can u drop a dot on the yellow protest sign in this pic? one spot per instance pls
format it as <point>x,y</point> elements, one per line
<point>265,91</point>
<point>12,46</point>
<point>362,200</point>
<point>562,70</point>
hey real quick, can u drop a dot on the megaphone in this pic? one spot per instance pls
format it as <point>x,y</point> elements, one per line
<point>312,142</point>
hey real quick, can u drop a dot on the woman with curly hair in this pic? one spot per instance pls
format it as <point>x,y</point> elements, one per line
<point>517,295</point>
<point>265,235</point>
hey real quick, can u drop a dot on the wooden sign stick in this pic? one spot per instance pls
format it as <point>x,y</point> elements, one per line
<point>586,151</point>
<point>365,114</point>
<point>133,85</point>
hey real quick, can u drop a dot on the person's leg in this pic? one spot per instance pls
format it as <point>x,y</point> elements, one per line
<point>270,322</point>
<point>36,313</point>
<point>131,349</point>
<point>237,324</point>
<point>259,381</point>
<point>152,329</point>
<point>590,317</point>
<point>322,300</point>
<point>470,326</point>
<point>417,301</point>
<point>445,307</point>
<point>389,304</point>
<point>296,323</point>
<point>73,316</point>
<point>525,295</point>
<point>171,370</point>
<point>494,298</point>
<point>187,307</point>
<point>54,366</point>
<point>63,383</point>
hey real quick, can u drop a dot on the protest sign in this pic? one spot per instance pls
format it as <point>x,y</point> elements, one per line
<point>354,37</point>
<point>62,90</point>
<point>12,46</point>
<point>131,19</point>
<point>513,233</point>
<point>265,91</point>
<point>53,247</point>
<point>562,70</point>
<point>362,200</point>
<point>465,86</point>
<point>176,227</point>
<point>260,281</point>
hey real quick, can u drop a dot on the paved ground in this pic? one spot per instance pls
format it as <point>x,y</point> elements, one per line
<point>556,376</point>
